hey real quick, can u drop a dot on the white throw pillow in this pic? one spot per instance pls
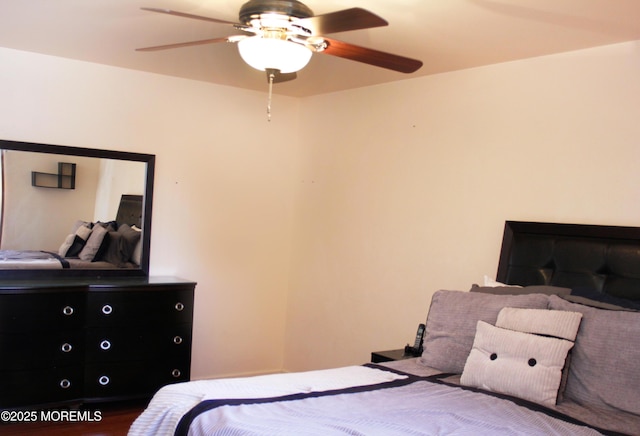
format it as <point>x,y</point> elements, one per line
<point>515,363</point>
<point>557,323</point>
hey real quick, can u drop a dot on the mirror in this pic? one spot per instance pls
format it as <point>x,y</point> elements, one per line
<point>70,211</point>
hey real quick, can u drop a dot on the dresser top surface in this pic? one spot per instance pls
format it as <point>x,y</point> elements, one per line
<point>93,284</point>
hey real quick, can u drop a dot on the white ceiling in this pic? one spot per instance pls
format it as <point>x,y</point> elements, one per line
<point>446,35</point>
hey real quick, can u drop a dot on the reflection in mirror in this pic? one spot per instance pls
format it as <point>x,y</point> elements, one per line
<point>74,211</point>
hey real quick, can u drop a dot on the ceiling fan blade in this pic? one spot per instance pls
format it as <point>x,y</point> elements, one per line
<point>185,15</point>
<point>371,57</point>
<point>188,44</point>
<point>342,21</point>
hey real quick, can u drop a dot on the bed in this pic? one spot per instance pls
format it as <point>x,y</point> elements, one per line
<point>89,245</point>
<point>550,346</point>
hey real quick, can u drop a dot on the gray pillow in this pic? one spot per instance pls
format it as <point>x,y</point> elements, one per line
<point>114,252</point>
<point>130,238</point>
<point>604,364</point>
<point>519,290</point>
<point>452,320</point>
<point>74,242</point>
<point>90,249</point>
<point>81,223</point>
<point>66,244</point>
<point>121,245</point>
<point>559,324</point>
<point>595,303</point>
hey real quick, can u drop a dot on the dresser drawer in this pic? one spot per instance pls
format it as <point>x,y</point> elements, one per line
<point>133,379</point>
<point>41,311</point>
<point>21,351</point>
<point>139,308</point>
<point>113,344</point>
<point>20,388</point>
<point>65,341</point>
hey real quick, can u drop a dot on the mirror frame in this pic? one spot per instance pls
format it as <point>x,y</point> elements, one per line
<point>148,159</point>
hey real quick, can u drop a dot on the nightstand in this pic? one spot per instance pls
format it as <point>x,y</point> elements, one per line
<point>389,355</point>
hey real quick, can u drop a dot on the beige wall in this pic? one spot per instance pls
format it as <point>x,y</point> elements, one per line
<point>407,188</point>
<point>41,218</point>
<point>314,244</point>
<point>223,188</point>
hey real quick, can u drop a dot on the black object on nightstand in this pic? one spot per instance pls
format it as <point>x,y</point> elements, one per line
<point>389,355</point>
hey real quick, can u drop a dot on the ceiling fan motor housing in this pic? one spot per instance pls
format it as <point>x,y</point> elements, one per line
<point>252,9</point>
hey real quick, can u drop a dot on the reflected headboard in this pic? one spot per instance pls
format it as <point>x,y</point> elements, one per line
<point>130,210</point>
<point>601,258</point>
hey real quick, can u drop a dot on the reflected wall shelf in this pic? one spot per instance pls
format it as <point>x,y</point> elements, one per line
<point>65,179</point>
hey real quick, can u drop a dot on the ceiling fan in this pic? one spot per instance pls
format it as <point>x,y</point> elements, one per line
<point>279,37</point>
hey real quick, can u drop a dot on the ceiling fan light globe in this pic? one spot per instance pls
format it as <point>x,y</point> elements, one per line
<point>270,53</point>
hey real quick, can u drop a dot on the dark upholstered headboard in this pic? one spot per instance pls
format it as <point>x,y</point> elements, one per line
<point>601,258</point>
<point>130,210</point>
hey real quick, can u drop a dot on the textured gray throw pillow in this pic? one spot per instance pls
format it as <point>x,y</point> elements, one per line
<point>515,363</point>
<point>452,320</point>
<point>556,323</point>
<point>604,367</point>
<point>66,244</point>
<point>524,354</point>
<point>93,244</point>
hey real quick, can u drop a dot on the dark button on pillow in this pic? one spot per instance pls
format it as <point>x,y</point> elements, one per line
<point>532,362</point>
<point>494,356</point>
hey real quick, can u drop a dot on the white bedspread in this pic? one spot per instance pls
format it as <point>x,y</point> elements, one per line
<point>417,407</point>
<point>171,402</point>
<point>30,259</point>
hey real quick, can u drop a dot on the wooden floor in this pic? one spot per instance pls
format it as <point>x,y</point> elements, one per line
<point>116,420</point>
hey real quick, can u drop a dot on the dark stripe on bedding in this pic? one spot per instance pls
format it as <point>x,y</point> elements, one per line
<point>185,422</point>
<point>64,262</point>
<point>438,378</point>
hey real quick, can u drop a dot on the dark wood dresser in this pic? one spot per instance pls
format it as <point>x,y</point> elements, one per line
<point>74,340</point>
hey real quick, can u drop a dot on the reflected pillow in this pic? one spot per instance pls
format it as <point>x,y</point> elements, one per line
<point>64,248</point>
<point>74,243</point>
<point>113,253</point>
<point>121,245</point>
<point>90,250</point>
<point>136,257</point>
<point>130,238</point>
<point>80,223</point>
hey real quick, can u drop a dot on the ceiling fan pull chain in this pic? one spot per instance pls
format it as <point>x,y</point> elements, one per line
<point>271,76</point>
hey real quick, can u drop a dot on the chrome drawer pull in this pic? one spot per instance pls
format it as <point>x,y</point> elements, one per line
<point>177,340</point>
<point>107,309</point>
<point>179,306</point>
<point>104,380</point>
<point>65,384</point>
<point>67,310</point>
<point>176,373</point>
<point>66,347</point>
<point>105,345</point>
